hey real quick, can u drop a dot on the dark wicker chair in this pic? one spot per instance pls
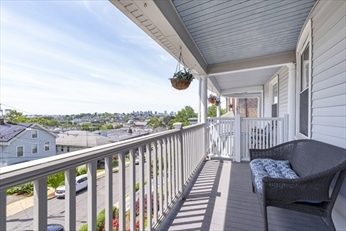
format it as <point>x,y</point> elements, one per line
<point>316,164</point>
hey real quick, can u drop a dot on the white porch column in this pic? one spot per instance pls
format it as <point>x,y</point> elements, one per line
<point>218,108</point>
<point>204,103</point>
<point>199,99</point>
<point>291,100</point>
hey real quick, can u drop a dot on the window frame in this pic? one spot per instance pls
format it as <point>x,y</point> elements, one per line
<point>304,41</point>
<point>32,148</point>
<point>272,83</point>
<point>45,146</point>
<point>23,149</point>
<point>34,132</point>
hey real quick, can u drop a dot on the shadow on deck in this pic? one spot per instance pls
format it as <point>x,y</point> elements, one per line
<point>222,199</point>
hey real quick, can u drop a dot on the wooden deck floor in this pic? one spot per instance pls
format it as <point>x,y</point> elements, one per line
<point>221,199</point>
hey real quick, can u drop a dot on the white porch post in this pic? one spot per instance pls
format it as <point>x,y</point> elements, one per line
<point>199,99</point>
<point>291,100</point>
<point>218,108</point>
<point>237,137</point>
<point>204,92</point>
<point>204,104</point>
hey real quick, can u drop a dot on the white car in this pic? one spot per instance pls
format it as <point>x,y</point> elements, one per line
<point>81,183</point>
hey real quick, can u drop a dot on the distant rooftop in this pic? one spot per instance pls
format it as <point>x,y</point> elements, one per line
<point>10,130</point>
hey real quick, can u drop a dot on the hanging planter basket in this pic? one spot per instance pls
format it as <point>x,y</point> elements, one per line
<point>212,99</point>
<point>180,84</point>
<point>182,77</point>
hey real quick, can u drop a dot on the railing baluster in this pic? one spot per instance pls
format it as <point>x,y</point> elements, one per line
<point>40,204</point>
<point>149,188</point>
<point>70,199</point>
<point>160,178</point>
<point>155,183</point>
<point>169,180</point>
<point>141,188</point>
<point>165,174</point>
<point>122,192</point>
<point>92,195</point>
<point>109,193</point>
<point>132,190</point>
<point>3,210</point>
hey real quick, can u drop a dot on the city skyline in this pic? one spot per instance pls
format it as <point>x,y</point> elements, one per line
<point>83,57</point>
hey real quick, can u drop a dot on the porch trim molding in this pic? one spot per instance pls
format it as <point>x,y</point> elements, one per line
<point>277,60</point>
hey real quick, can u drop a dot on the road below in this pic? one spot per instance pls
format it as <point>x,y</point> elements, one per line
<point>56,207</point>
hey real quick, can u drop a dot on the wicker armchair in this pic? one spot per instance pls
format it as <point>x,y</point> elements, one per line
<point>316,164</point>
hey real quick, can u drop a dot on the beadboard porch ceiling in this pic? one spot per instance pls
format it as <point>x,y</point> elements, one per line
<point>240,44</point>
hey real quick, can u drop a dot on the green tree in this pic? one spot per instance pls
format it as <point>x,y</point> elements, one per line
<point>16,117</point>
<point>106,127</point>
<point>183,117</point>
<point>155,122</point>
<point>211,111</point>
<point>56,179</point>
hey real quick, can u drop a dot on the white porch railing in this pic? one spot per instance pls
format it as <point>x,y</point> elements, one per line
<point>232,137</point>
<point>175,156</point>
<point>221,136</point>
<point>261,133</point>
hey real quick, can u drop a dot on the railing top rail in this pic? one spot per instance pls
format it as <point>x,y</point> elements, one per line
<point>21,173</point>
<point>194,127</point>
<point>263,118</point>
<point>221,118</point>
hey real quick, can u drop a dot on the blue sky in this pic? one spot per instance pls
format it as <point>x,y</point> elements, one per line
<point>68,57</point>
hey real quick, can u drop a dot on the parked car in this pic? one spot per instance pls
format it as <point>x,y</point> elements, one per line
<point>81,184</point>
<point>52,227</point>
<point>55,227</point>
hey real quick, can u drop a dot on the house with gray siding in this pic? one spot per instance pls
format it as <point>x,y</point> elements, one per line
<point>24,142</point>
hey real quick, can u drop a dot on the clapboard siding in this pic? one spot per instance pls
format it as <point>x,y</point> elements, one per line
<point>326,83</point>
<point>283,91</point>
<point>328,72</point>
<point>330,92</point>
<point>333,141</point>
<point>330,131</point>
<point>322,55</point>
<point>326,121</point>
<point>330,63</point>
<point>332,17</point>
<point>331,101</point>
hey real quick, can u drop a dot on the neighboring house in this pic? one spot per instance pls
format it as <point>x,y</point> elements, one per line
<point>24,142</point>
<point>76,140</point>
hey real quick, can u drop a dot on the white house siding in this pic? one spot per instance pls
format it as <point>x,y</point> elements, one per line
<point>283,93</point>
<point>328,92</point>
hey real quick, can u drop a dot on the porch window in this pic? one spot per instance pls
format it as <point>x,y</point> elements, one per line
<point>46,146</point>
<point>34,148</point>
<point>20,151</point>
<point>304,91</point>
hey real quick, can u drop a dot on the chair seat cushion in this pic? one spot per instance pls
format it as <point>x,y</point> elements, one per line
<point>271,168</point>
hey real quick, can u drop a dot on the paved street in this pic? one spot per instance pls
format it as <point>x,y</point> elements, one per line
<point>56,207</point>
